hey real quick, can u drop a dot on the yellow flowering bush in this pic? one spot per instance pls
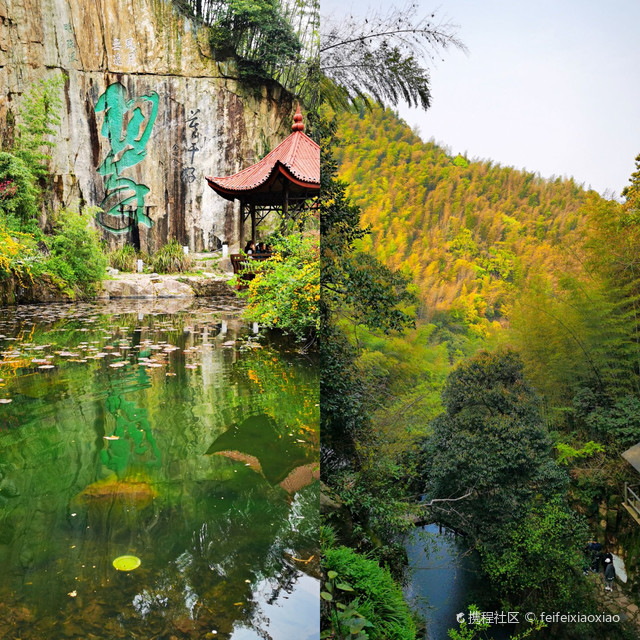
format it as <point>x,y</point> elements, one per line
<point>19,256</point>
<point>285,292</point>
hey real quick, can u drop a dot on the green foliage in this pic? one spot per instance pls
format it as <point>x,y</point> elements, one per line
<point>346,620</point>
<point>353,282</point>
<point>469,234</point>
<point>618,423</point>
<point>256,33</point>
<point>76,254</point>
<point>342,390</point>
<point>19,203</point>
<point>469,630</point>
<point>374,497</point>
<point>567,454</point>
<point>170,258</point>
<point>541,554</point>
<point>461,161</point>
<point>355,288</point>
<point>489,450</point>
<point>124,258</point>
<point>379,599</point>
<point>39,117</point>
<point>631,192</point>
<point>277,39</point>
<point>573,336</point>
<point>19,255</point>
<point>357,291</point>
<point>285,291</point>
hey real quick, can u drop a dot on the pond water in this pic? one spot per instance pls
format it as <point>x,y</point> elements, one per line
<point>175,436</point>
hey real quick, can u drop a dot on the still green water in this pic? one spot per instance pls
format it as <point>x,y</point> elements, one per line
<point>175,436</point>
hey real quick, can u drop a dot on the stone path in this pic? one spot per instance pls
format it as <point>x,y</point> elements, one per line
<point>616,601</point>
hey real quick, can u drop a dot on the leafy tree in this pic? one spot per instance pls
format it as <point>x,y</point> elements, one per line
<point>354,287</point>
<point>632,192</point>
<point>276,39</point>
<point>354,284</point>
<point>542,556</point>
<point>490,475</point>
<point>383,56</point>
<point>18,192</point>
<point>616,422</point>
<point>285,292</point>
<point>489,454</point>
<point>39,117</point>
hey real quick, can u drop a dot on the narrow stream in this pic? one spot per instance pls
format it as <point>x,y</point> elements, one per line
<point>443,580</point>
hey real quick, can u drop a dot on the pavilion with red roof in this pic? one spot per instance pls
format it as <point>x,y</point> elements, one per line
<point>283,181</point>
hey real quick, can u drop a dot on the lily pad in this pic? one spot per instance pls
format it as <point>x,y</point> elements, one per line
<point>126,563</point>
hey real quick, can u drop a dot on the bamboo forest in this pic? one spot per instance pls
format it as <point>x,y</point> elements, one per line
<point>290,349</point>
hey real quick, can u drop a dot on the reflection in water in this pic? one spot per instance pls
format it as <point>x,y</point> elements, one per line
<point>131,439</point>
<point>442,580</point>
<point>103,452</point>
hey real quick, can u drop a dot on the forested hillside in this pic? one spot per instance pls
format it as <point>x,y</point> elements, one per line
<point>465,231</point>
<point>527,286</point>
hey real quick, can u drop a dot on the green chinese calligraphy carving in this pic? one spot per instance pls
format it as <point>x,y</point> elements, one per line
<point>128,136</point>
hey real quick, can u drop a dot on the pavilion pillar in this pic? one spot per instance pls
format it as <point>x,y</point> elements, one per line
<point>285,205</point>
<point>252,211</point>
<point>241,226</point>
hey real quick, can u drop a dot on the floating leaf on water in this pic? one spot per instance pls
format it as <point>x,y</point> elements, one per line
<point>126,563</point>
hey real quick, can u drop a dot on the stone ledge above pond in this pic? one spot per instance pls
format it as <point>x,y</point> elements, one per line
<point>165,286</point>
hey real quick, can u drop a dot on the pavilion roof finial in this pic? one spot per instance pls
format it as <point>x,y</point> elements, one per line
<point>297,121</point>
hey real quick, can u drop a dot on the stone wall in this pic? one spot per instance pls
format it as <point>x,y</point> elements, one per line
<point>148,114</point>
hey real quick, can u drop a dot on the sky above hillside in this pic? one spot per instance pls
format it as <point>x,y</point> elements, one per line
<point>550,87</point>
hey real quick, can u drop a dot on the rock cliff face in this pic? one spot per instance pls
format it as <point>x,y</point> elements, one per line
<point>148,115</point>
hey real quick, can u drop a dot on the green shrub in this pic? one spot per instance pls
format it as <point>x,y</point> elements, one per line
<point>76,255</point>
<point>123,259</point>
<point>19,195</point>
<point>285,292</point>
<point>380,599</point>
<point>170,259</point>
<point>19,256</point>
<point>59,267</point>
